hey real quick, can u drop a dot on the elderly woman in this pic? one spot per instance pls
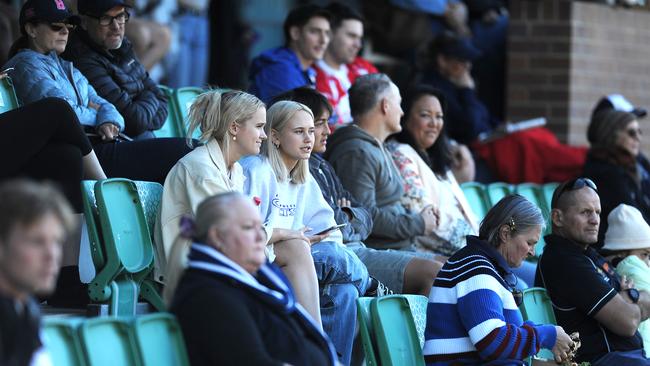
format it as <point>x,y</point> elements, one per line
<point>424,157</point>
<point>615,163</point>
<point>232,126</point>
<point>475,295</point>
<point>38,72</point>
<point>233,306</point>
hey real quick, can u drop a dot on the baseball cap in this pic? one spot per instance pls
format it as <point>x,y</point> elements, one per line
<point>98,7</point>
<point>619,103</point>
<point>51,11</point>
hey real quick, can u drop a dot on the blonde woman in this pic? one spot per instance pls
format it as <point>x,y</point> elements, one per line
<point>232,126</point>
<point>291,200</point>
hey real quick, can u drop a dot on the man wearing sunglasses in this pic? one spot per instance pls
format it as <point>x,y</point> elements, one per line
<point>102,53</point>
<point>587,295</point>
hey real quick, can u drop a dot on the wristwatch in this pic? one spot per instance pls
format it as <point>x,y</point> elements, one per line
<point>633,294</point>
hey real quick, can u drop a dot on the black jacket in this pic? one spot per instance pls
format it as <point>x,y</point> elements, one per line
<point>615,186</point>
<point>120,78</point>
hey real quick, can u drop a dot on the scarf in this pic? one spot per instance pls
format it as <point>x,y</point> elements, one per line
<point>269,286</point>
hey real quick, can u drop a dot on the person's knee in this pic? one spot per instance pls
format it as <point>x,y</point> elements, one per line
<point>293,252</point>
<point>337,264</point>
<point>420,274</point>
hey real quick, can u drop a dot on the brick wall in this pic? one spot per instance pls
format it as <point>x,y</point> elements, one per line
<point>564,55</point>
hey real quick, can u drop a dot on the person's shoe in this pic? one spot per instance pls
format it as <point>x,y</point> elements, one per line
<point>376,289</point>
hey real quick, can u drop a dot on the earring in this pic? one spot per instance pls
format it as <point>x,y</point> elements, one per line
<point>234,138</point>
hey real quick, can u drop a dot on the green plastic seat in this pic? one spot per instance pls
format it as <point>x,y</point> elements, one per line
<point>184,97</point>
<point>418,304</point>
<point>395,332</point>
<point>537,307</point>
<point>533,193</point>
<point>92,223</point>
<point>160,340</point>
<point>496,191</point>
<point>172,126</point>
<point>8,99</point>
<point>547,191</point>
<point>62,342</point>
<point>477,198</point>
<point>366,330</point>
<point>109,341</point>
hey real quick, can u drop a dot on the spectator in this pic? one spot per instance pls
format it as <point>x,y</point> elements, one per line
<point>40,73</point>
<point>105,57</point>
<point>191,66</point>
<point>341,65</point>
<point>233,306</point>
<point>232,125</point>
<point>306,34</point>
<point>34,221</point>
<point>366,169</point>
<point>475,296</point>
<point>151,39</point>
<point>291,199</point>
<point>58,150</point>
<point>424,158</point>
<point>628,242</point>
<point>587,295</point>
<point>402,272</point>
<point>534,155</point>
<point>616,164</point>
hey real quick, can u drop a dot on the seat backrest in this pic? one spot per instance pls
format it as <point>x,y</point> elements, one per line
<point>172,126</point>
<point>366,330</point>
<point>108,341</point>
<point>8,99</point>
<point>150,197</point>
<point>547,192</point>
<point>62,342</point>
<point>496,191</point>
<point>533,193</point>
<point>184,98</point>
<point>125,229</point>
<point>537,307</point>
<point>418,304</point>
<point>92,222</point>
<point>397,338</point>
<point>477,198</point>
<point>160,340</point>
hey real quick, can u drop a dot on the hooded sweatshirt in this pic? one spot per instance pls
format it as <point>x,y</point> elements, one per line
<point>367,171</point>
<point>276,71</point>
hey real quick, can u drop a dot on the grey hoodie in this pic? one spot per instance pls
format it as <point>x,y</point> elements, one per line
<point>368,172</point>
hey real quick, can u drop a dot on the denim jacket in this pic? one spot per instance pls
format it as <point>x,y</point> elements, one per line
<point>37,76</point>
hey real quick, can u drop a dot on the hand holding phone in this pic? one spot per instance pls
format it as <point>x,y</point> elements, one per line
<point>331,228</point>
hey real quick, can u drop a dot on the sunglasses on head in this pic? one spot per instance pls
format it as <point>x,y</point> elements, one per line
<point>572,185</point>
<point>634,133</point>
<point>57,27</point>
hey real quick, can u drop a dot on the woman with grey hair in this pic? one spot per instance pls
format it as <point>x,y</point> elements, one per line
<point>616,164</point>
<point>475,294</point>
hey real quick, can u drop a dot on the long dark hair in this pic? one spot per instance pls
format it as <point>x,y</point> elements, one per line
<point>438,156</point>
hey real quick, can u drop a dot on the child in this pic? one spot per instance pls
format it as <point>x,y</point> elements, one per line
<point>628,240</point>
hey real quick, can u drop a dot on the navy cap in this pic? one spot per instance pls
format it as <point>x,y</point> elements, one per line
<point>51,11</point>
<point>97,8</point>
<point>619,103</point>
<point>459,48</point>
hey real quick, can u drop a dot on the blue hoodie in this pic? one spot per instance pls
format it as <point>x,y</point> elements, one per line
<point>276,71</point>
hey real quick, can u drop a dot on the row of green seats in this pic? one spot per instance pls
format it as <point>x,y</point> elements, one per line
<point>179,102</point>
<point>120,216</point>
<point>482,197</point>
<point>149,340</point>
<point>8,99</point>
<point>392,329</point>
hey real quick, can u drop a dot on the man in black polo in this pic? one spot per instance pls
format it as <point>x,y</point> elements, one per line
<point>588,297</point>
<point>106,58</point>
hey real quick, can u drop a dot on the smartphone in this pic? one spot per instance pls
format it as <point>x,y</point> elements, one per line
<point>331,228</point>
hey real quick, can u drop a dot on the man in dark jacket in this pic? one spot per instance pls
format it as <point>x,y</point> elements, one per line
<point>106,58</point>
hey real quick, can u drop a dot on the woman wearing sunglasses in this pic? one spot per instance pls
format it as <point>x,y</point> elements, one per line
<point>616,165</point>
<point>40,73</point>
<point>475,294</point>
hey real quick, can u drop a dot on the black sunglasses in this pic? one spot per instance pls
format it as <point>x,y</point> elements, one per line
<point>572,185</point>
<point>57,27</point>
<point>634,133</point>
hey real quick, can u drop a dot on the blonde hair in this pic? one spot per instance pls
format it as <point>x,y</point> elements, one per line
<point>213,211</point>
<point>214,110</point>
<point>277,118</point>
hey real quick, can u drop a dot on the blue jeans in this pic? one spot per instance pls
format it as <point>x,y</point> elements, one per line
<point>342,278</point>
<point>192,60</point>
<point>627,358</point>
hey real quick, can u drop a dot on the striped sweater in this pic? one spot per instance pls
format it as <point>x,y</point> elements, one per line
<point>472,318</point>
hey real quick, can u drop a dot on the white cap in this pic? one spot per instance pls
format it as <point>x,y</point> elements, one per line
<point>626,229</point>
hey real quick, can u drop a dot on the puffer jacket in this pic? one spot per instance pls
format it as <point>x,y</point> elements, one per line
<point>37,76</point>
<point>120,78</point>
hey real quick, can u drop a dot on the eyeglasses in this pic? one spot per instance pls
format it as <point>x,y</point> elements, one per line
<point>634,133</point>
<point>57,27</point>
<point>106,20</point>
<point>572,185</point>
